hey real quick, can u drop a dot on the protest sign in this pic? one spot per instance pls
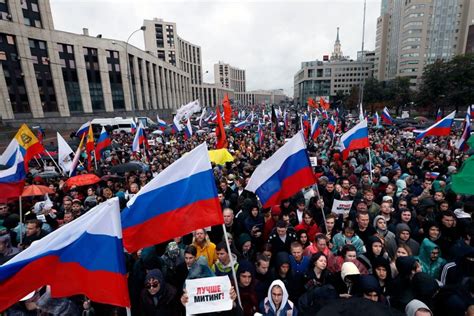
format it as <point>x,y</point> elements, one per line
<point>341,207</point>
<point>208,295</point>
<point>314,161</point>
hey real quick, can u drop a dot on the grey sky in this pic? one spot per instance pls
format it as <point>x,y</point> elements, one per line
<point>269,39</point>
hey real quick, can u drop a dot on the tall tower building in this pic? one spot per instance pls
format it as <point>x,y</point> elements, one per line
<point>414,33</point>
<point>337,53</point>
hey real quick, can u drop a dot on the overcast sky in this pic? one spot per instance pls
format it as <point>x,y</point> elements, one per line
<point>269,39</point>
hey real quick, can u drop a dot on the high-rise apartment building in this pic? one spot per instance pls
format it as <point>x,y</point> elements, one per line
<point>230,77</point>
<point>413,33</point>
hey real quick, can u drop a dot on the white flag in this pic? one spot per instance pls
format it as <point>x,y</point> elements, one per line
<point>187,110</point>
<point>361,112</point>
<point>64,154</point>
<point>202,116</point>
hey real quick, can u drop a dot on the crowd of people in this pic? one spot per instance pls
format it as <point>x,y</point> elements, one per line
<point>403,249</point>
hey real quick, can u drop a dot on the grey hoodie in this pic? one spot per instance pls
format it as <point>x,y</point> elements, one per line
<point>414,306</point>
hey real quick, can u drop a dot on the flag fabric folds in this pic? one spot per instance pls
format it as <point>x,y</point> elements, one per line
<point>282,175</point>
<point>90,148</point>
<point>332,127</point>
<point>64,154</point>
<point>315,129</point>
<point>29,144</point>
<point>241,125</point>
<point>9,155</point>
<point>161,124</point>
<point>139,138</point>
<point>77,156</point>
<point>220,156</point>
<point>221,139</point>
<point>102,142</point>
<point>227,109</point>
<point>260,135</point>
<point>463,181</point>
<point>83,129</point>
<point>461,143</point>
<point>441,128</point>
<point>355,138</point>
<point>83,257</point>
<point>180,199</point>
<point>188,130</point>
<point>12,180</point>
<point>376,121</point>
<point>386,117</point>
<point>312,103</point>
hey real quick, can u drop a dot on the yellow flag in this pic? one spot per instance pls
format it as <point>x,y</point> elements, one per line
<point>220,156</point>
<point>25,137</point>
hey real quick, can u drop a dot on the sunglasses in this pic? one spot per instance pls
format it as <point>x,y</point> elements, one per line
<point>152,285</point>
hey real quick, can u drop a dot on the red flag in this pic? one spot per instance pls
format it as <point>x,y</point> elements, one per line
<point>89,147</point>
<point>312,103</point>
<point>323,103</point>
<point>227,109</point>
<point>220,131</point>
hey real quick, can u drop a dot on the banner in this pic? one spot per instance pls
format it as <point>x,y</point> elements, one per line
<point>208,295</point>
<point>314,161</point>
<point>341,207</point>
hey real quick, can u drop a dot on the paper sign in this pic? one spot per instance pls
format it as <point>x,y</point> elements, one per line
<point>341,207</point>
<point>314,161</point>
<point>208,295</point>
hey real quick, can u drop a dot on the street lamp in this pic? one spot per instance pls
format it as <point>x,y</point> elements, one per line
<point>132,96</point>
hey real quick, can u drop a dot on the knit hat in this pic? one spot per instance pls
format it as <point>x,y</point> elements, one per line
<point>154,274</point>
<point>405,265</point>
<point>377,218</point>
<point>172,249</point>
<point>246,266</point>
<point>369,283</point>
<point>384,179</point>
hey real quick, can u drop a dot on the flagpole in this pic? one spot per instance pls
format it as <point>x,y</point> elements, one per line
<point>370,163</point>
<point>54,161</point>
<point>21,219</point>
<point>95,161</point>
<point>234,274</point>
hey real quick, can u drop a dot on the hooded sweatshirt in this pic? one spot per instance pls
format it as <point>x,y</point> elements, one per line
<point>414,306</point>
<point>287,308</point>
<point>433,268</point>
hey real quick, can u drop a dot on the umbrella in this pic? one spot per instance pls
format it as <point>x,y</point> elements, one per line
<point>82,179</point>
<point>130,166</point>
<point>111,177</point>
<point>33,190</point>
<point>47,174</point>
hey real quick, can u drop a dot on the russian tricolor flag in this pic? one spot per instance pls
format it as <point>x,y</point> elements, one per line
<point>439,115</point>
<point>332,127</point>
<point>386,118</point>
<point>161,124</point>
<point>139,138</point>
<point>83,129</point>
<point>282,175</point>
<point>188,130</point>
<point>12,180</point>
<point>355,138</point>
<point>133,127</point>
<point>259,136</point>
<point>103,141</point>
<point>315,129</point>
<point>83,257</point>
<point>461,144</point>
<point>180,199</point>
<point>9,155</point>
<point>241,125</point>
<point>441,128</point>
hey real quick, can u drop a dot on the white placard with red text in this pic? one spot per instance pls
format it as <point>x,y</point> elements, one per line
<point>341,207</point>
<point>208,295</point>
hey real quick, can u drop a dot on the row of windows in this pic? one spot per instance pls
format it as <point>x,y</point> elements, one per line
<point>412,24</point>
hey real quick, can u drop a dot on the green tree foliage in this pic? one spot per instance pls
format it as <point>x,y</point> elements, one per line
<point>448,83</point>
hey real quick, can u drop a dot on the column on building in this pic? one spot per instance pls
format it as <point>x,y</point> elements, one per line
<point>138,86</point>
<point>163,80</point>
<point>168,89</point>
<point>153,92</point>
<point>127,88</point>
<point>158,82</point>
<point>6,110</point>
<point>145,89</point>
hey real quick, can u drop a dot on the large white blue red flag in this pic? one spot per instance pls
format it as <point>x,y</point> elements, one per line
<point>139,138</point>
<point>355,138</point>
<point>282,175</point>
<point>441,128</point>
<point>180,199</point>
<point>83,257</point>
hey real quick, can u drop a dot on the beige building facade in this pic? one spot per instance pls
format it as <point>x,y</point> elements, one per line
<point>48,74</point>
